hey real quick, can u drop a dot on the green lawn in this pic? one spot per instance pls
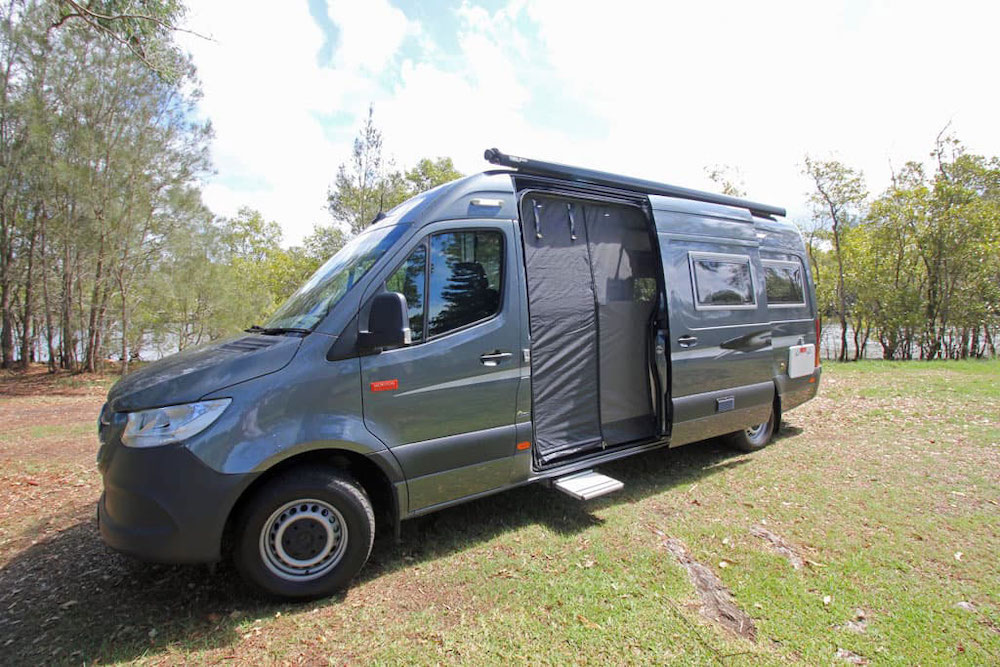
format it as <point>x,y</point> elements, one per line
<point>888,485</point>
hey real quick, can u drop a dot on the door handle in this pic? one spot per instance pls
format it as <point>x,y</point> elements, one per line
<point>494,358</point>
<point>687,340</point>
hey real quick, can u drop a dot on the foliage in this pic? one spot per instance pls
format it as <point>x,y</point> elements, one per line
<point>368,185</point>
<point>143,28</point>
<point>838,198</point>
<point>100,163</point>
<point>728,178</point>
<point>918,267</point>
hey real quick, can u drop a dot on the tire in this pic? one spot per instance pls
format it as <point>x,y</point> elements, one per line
<point>754,437</point>
<point>305,534</point>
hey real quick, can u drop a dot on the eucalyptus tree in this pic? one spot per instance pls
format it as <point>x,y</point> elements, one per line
<point>142,28</point>
<point>838,200</point>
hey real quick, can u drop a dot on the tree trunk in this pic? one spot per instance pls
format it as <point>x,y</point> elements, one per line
<point>66,312</point>
<point>6,259</point>
<point>46,304</point>
<point>842,355</point>
<point>841,295</point>
<point>7,328</point>
<point>27,312</point>
<point>93,337</point>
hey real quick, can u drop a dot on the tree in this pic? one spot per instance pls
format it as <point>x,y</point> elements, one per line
<point>728,178</point>
<point>363,187</point>
<point>258,273</point>
<point>99,159</point>
<point>324,242</point>
<point>429,174</point>
<point>838,201</point>
<point>368,186</point>
<point>895,279</point>
<point>144,28</point>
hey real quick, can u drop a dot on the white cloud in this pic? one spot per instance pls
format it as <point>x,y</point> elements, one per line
<point>760,84</point>
<point>664,88</point>
<point>370,33</point>
<point>263,89</point>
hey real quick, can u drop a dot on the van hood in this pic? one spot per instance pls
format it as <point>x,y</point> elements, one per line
<point>187,376</point>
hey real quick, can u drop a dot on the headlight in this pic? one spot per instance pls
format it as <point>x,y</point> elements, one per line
<point>162,426</point>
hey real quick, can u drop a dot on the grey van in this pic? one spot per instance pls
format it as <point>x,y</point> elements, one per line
<point>522,325</point>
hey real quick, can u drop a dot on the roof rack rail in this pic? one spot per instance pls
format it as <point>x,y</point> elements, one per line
<point>594,177</point>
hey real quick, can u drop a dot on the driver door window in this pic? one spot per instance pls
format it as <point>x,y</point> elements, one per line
<point>457,284</point>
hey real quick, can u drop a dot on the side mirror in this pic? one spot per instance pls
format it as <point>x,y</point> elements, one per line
<point>388,323</point>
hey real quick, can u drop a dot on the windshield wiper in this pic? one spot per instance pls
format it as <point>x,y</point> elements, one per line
<point>277,331</point>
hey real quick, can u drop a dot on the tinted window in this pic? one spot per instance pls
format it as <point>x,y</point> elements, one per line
<point>408,280</point>
<point>784,283</point>
<point>722,281</point>
<point>466,275</point>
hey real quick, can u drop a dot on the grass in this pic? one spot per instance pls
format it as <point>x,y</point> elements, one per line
<point>888,485</point>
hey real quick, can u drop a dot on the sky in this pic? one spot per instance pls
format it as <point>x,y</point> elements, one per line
<point>658,90</point>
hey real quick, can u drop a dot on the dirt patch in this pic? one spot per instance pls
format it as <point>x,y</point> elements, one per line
<point>37,381</point>
<point>858,624</point>
<point>22,412</point>
<point>779,544</point>
<point>716,601</point>
<point>850,657</point>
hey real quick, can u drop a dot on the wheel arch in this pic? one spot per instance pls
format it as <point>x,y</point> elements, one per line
<point>376,482</point>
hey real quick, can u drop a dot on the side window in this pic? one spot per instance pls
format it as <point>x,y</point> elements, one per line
<point>408,280</point>
<point>784,283</point>
<point>722,281</point>
<point>466,278</point>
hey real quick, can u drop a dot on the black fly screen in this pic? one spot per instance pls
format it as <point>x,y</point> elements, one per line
<point>591,293</point>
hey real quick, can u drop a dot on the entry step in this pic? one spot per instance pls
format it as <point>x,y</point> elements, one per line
<point>587,484</point>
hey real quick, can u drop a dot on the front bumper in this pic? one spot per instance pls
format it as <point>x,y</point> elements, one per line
<point>162,504</point>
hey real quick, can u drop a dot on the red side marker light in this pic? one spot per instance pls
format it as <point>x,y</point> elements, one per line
<point>385,385</point>
<point>521,446</point>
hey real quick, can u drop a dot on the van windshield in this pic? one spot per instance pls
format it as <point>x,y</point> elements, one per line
<point>310,304</point>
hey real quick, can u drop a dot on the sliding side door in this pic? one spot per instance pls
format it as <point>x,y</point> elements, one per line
<point>720,335</point>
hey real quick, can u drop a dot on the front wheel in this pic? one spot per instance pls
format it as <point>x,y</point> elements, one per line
<point>754,437</point>
<point>305,534</point>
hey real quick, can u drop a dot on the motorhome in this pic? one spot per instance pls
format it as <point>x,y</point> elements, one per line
<point>523,325</point>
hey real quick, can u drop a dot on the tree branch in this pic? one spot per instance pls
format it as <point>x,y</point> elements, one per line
<point>85,12</point>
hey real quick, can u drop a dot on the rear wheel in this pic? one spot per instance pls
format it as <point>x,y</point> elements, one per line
<point>305,534</point>
<point>754,437</point>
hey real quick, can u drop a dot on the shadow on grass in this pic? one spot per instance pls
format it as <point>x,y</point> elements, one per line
<point>70,599</point>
